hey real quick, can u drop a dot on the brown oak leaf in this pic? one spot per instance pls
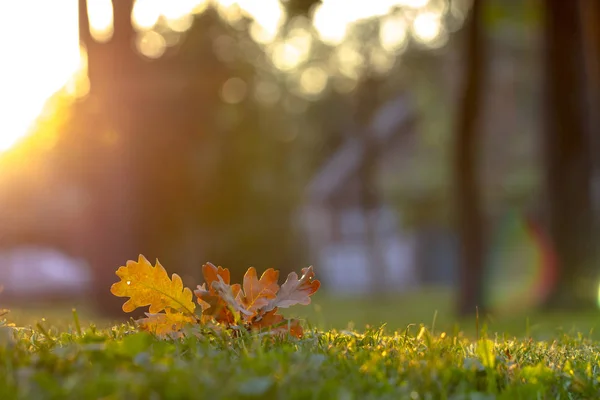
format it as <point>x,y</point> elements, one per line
<point>228,296</point>
<point>213,305</point>
<point>276,324</point>
<point>258,292</point>
<point>295,291</point>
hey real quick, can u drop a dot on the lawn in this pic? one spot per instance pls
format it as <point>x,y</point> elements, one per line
<point>120,363</point>
<point>434,307</point>
<point>545,358</point>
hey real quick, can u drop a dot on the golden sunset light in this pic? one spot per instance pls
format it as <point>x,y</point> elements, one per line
<point>417,165</point>
<point>40,41</point>
<point>40,50</point>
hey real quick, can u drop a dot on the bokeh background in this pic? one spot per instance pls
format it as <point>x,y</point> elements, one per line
<point>430,158</point>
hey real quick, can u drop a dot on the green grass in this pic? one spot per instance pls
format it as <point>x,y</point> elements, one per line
<point>434,307</point>
<point>537,356</point>
<point>120,363</point>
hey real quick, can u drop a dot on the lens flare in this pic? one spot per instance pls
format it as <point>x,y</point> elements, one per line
<point>521,270</point>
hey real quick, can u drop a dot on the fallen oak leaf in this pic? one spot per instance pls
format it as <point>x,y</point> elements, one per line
<point>291,326</point>
<point>214,307</point>
<point>148,285</point>
<point>276,324</point>
<point>295,291</point>
<point>267,320</point>
<point>165,324</point>
<point>212,273</point>
<point>228,306</point>
<point>227,295</point>
<point>257,293</point>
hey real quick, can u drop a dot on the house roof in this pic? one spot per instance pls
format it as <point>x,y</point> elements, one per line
<point>386,124</point>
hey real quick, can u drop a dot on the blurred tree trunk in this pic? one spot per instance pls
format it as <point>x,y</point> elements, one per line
<point>468,192</point>
<point>109,232</point>
<point>589,12</point>
<point>568,157</point>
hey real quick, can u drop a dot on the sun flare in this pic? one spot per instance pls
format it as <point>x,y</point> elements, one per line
<point>40,48</point>
<point>40,53</point>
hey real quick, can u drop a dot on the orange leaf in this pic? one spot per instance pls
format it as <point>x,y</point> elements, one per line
<point>227,295</point>
<point>212,273</point>
<point>257,293</point>
<point>267,320</point>
<point>207,296</point>
<point>295,291</point>
<point>146,285</point>
<point>213,305</point>
<point>277,324</point>
<point>291,326</point>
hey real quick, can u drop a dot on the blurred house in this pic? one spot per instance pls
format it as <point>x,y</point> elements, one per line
<point>335,223</point>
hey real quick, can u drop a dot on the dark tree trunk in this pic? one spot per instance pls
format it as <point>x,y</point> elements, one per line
<point>468,193</point>
<point>568,157</point>
<point>109,234</point>
<point>589,12</point>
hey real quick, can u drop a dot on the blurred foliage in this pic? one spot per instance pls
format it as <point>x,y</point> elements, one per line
<point>225,174</point>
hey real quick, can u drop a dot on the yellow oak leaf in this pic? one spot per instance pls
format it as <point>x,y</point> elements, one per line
<point>146,285</point>
<point>168,323</point>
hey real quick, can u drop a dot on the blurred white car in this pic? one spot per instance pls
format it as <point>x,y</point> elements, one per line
<point>41,272</point>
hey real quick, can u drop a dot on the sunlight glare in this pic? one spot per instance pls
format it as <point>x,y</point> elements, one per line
<point>286,56</point>
<point>268,16</point>
<point>261,35</point>
<point>181,8</point>
<point>181,24</point>
<point>330,25</point>
<point>151,44</point>
<point>43,58</point>
<point>349,60</point>
<point>178,14</point>
<point>413,3</point>
<point>146,14</point>
<point>100,14</point>
<point>381,61</point>
<point>313,81</point>
<point>393,34</point>
<point>290,53</point>
<point>427,26</point>
<point>333,18</point>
